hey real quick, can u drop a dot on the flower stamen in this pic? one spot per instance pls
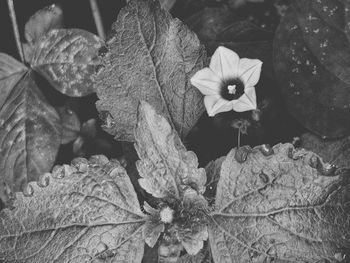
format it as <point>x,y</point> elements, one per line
<point>231,89</point>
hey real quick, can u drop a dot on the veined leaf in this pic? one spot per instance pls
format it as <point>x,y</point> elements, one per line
<point>30,131</point>
<point>75,216</point>
<point>281,207</point>
<point>312,64</point>
<point>165,166</point>
<point>151,57</point>
<point>67,58</point>
<point>50,17</point>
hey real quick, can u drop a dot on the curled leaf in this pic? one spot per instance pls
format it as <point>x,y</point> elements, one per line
<point>151,57</point>
<point>78,217</point>
<point>67,58</point>
<point>30,129</point>
<point>50,17</point>
<point>165,166</point>
<point>280,207</point>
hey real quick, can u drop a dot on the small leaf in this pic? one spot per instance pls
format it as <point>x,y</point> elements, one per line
<point>30,130</point>
<point>79,217</point>
<point>336,152</point>
<point>312,67</point>
<point>279,207</point>
<point>151,57</point>
<point>165,166</point>
<point>70,124</point>
<point>67,58</point>
<point>43,21</point>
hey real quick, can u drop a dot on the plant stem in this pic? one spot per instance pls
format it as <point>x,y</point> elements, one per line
<point>239,138</point>
<point>15,29</point>
<point>97,17</point>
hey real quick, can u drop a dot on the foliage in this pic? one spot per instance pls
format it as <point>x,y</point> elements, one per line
<point>155,203</point>
<point>279,205</point>
<point>31,131</point>
<point>151,57</point>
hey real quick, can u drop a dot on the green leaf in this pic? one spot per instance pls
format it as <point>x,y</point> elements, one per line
<point>311,60</point>
<point>279,207</point>
<point>336,152</point>
<point>165,167</point>
<point>30,130</point>
<point>70,124</point>
<point>151,57</point>
<point>67,58</point>
<point>86,216</point>
<point>50,17</point>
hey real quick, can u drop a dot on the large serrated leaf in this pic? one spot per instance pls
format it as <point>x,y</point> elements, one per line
<point>88,216</point>
<point>312,65</point>
<point>151,57</point>
<point>50,17</point>
<point>280,208</point>
<point>165,166</point>
<point>30,131</point>
<point>68,58</point>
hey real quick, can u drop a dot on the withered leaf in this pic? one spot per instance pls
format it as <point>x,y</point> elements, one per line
<point>165,166</point>
<point>280,208</point>
<point>30,129</point>
<point>75,216</point>
<point>151,57</point>
<point>67,58</point>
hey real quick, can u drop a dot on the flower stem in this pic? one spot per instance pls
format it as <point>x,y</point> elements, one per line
<point>97,17</point>
<point>15,29</point>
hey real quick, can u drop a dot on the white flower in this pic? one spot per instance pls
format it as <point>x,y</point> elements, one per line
<point>228,83</point>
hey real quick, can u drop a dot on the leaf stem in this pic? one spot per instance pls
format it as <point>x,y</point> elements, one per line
<point>15,29</point>
<point>97,17</point>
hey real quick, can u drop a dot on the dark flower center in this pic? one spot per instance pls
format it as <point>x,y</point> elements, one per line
<point>232,89</point>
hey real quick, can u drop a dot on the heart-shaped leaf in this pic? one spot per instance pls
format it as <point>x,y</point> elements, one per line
<point>43,21</point>
<point>151,57</point>
<point>285,207</point>
<point>67,58</point>
<point>30,131</point>
<point>312,64</point>
<point>80,216</point>
<point>165,166</point>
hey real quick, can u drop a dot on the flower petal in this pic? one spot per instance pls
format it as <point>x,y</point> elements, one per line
<point>225,63</point>
<point>206,81</point>
<point>246,102</point>
<point>215,104</point>
<point>249,71</point>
